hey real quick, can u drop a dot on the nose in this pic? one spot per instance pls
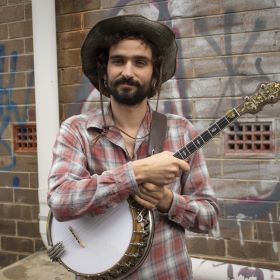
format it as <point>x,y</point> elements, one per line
<point>127,70</point>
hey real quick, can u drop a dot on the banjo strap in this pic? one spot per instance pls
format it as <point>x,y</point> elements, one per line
<point>158,133</point>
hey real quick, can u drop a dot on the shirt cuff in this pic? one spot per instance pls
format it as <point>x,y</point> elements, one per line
<point>180,205</point>
<point>126,177</point>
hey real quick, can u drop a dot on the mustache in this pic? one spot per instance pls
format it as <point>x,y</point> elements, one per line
<point>129,81</point>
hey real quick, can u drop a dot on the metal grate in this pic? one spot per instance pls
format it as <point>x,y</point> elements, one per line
<point>25,138</point>
<point>249,138</point>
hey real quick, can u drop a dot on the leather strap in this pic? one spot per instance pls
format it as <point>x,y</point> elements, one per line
<point>158,133</point>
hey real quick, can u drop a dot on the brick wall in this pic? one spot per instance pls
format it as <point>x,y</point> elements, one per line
<point>225,49</point>
<point>19,231</point>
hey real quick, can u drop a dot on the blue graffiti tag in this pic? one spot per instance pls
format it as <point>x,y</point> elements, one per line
<point>9,110</point>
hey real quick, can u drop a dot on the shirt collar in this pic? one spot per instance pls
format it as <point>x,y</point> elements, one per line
<point>95,120</point>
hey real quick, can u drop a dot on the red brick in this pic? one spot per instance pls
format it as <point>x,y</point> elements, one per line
<point>7,258</point>
<point>91,18</point>
<point>39,245</point>
<point>26,163</point>
<point>69,22</point>
<point>23,96</point>
<point>240,5</point>
<point>28,45</point>
<point>6,194</point>
<point>70,6</point>
<point>70,94</point>
<point>19,79</point>
<point>72,40</point>
<point>71,75</point>
<point>71,109</point>
<point>251,250</point>
<point>17,244</point>
<point>14,46</point>
<point>14,2</point>
<point>3,31</point>
<point>269,231</point>
<point>4,151</point>
<point>34,181</point>
<point>31,117</point>
<point>233,229</point>
<point>209,247</point>
<point>11,179</point>
<point>20,29</point>
<point>3,2</point>
<point>11,13</point>
<point>28,196</point>
<point>35,212</point>
<point>7,227</point>
<point>25,63</point>
<point>28,11</point>
<point>69,58</point>
<point>16,212</point>
<point>28,229</point>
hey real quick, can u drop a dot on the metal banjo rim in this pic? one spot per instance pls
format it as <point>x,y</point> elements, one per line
<point>137,251</point>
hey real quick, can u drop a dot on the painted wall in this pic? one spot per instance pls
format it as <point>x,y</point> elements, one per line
<point>226,48</point>
<point>19,231</point>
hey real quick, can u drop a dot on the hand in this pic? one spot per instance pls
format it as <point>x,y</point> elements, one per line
<point>152,196</point>
<point>159,169</point>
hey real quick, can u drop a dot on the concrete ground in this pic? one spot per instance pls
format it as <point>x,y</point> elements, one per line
<point>35,267</point>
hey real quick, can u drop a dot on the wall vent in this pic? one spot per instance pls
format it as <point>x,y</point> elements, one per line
<point>249,137</point>
<point>25,138</point>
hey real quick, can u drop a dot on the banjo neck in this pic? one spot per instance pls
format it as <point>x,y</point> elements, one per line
<point>266,93</point>
<point>199,141</point>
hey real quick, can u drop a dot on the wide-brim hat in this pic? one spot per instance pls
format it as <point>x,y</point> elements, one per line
<point>161,36</point>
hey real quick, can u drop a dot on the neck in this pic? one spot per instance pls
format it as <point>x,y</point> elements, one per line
<point>128,117</point>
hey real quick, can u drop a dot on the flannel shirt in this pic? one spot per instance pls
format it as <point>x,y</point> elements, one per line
<point>92,172</point>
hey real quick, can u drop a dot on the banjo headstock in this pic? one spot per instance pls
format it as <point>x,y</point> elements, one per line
<point>266,93</point>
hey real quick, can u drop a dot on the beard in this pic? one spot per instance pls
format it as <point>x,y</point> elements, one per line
<point>129,96</point>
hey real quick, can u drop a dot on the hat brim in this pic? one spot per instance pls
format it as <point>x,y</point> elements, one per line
<point>157,33</point>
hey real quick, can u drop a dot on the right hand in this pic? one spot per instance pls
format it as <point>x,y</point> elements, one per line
<point>159,169</point>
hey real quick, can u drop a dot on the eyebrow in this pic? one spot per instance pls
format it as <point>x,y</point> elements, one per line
<point>135,57</point>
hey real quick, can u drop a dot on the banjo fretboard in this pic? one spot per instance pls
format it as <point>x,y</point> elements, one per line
<point>207,135</point>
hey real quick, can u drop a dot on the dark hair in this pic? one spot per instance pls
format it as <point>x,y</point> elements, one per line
<point>103,56</point>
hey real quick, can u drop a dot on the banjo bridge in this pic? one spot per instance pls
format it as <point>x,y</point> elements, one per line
<point>76,237</point>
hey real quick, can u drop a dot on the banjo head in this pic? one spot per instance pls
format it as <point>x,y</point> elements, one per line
<point>110,244</point>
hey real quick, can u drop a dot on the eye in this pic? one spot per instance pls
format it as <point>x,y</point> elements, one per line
<point>141,62</point>
<point>117,61</point>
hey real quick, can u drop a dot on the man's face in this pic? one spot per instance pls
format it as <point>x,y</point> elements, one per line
<point>129,71</point>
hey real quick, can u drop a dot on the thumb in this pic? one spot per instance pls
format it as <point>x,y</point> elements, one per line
<point>183,165</point>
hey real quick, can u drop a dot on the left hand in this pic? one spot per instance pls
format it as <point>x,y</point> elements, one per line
<point>152,196</point>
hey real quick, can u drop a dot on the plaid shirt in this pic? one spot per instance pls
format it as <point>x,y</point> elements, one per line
<point>92,172</point>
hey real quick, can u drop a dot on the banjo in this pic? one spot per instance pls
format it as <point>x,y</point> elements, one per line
<point>115,244</point>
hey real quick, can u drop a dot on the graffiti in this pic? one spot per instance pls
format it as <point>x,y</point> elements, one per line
<point>219,271</point>
<point>233,69</point>
<point>9,110</point>
<point>244,208</point>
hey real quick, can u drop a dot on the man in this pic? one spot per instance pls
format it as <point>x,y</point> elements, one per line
<point>100,158</point>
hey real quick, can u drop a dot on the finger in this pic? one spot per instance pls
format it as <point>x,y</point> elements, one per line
<point>183,165</point>
<point>144,203</point>
<point>150,198</point>
<point>150,187</point>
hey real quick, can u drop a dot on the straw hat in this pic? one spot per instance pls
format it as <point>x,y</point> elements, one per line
<point>155,32</point>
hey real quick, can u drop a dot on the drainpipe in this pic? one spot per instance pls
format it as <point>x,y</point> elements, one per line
<point>46,95</point>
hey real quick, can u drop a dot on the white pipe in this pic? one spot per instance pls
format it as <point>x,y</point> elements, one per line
<point>46,95</point>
